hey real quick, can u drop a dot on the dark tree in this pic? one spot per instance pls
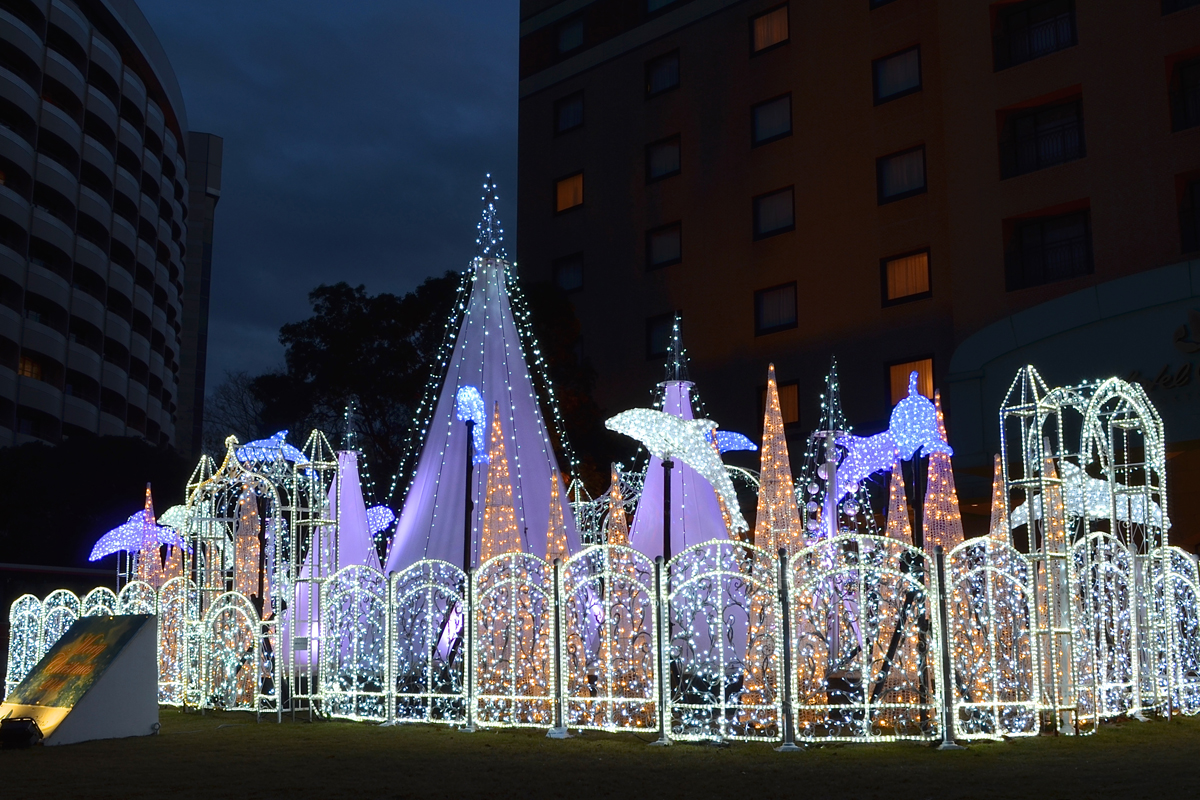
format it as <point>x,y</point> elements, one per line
<point>373,350</point>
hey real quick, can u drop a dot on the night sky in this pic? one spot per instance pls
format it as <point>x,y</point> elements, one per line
<point>356,138</point>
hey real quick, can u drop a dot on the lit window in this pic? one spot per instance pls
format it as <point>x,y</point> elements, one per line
<point>906,277</point>
<point>775,309</point>
<point>662,73</point>
<point>898,378</point>
<point>772,119</point>
<point>774,213</point>
<point>568,192</point>
<point>662,159</point>
<point>568,113</point>
<point>568,272</point>
<point>789,402</point>
<point>29,368</point>
<point>664,246</point>
<point>901,175</point>
<point>769,29</point>
<point>658,335</point>
<point>897,75</point>
<point>570,35</point>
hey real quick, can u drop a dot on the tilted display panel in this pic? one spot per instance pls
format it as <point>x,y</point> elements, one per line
<point>513,650</point>
<point>866,641</point>
<point>353,656</point>
<point>990,619</point>
<point>427,630</point>
<point>609,645</point>
<point>725,650</point>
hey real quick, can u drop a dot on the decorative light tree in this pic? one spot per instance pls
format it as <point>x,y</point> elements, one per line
<point>149,555</point>
<point>899,526</point>
<point>616,529</point>
<point>778,523</point>
<point>998,527</point>
<point>556,534</point>
<point>942,524</point>
<point>500,532</point>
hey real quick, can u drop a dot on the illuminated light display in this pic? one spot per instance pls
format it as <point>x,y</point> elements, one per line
<point>129,536</point>
<point>941,517</point>
<point>616,529</point>
<point>556,534</point>
<point>777,521</point>
<point>379,519</point>
<point>469,407</point>
<point>500,532</point>
<point>999,527</point>
<point>667,436</point>
<point>728,441</point>
<point>899,526</point>
<point>270,449</point>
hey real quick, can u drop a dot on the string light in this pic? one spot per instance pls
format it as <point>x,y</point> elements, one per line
<point>777,521</point>
<point>942,526</point>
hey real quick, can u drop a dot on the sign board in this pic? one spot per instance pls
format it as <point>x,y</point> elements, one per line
<point>99,681</point>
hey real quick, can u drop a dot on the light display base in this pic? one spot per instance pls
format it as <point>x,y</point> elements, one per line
<point>948,745</point>
<point>557,733</point>
<point>789,748</point>
<point>661,742</point>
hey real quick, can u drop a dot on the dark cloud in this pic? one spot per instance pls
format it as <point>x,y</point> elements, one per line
<point>356,136</point>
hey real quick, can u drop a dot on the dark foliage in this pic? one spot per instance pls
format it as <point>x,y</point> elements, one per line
<point>59,500</point>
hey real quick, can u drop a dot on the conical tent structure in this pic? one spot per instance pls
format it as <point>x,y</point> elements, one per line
<point>489,356</point>
<point>355,545</point>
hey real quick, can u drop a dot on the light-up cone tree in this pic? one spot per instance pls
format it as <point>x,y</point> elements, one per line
<point>942,519</point>
<point>556,534</point>
<point>899,526</point>
<point>998,528</point>
<point>778,522</point>
<point>247,548</point>
<point>616,526</point>
<point>149,568</point>
<point>500,532</point>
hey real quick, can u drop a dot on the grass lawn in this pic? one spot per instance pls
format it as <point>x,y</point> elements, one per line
<point>219,755</point>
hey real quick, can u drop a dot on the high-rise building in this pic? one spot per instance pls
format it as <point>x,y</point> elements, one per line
<point>953,186</point>
<point>104,254</point>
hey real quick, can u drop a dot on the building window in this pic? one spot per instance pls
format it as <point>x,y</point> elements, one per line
<point>789,402</point>
<point>1047,249</point>
<point>775,309</point>
<point>906,278</point>
<point>901,174</point>
<point>1171,6</point>
<point>896,75</point>
<point>570,35</point>
<point>898,378</point>
<point>774,213</point>
<point>772,119</point>
<point>662,73</point>
<point>1036,138</point>
<point>568,272</point>
<point>664,246</point>
<point>662,159</point>
<point>29,368</point>
<point>658,336</point>
<point>1185,95</point>
<point>1029,30</point>
<point>1189,216</point>
<point>568,192</point>
<point>568,113</point>
<point>769,29</point>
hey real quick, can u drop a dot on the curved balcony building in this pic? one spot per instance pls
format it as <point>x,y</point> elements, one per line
<point>95,253</point>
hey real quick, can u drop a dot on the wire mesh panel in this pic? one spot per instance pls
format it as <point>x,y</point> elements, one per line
<point>233,676</point>
<point>137,597</point>
<point>177,605</point>
<point>98,602</point>
<point>353,655</point>
<point>725,646</point>
<point>865,638</point>
<point>426,643</point>
<point>60,609</point>
<point>1106,646</point>
<point>24,639</point>
<point>514,641</point>
<point>608,640</point>
<point>990,615</point>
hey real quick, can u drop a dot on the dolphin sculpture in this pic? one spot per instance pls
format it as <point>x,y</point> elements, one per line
<point>690,440</point>
<point>1082,492</point>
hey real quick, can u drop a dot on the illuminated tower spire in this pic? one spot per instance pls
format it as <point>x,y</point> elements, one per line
<point>617,531</point>
<point>556,533</point>
<point>149,559</point>
<point>998,529</point>
<point>942,518</point>
<point>898,524</point>
<point>500,531</point>
<point>778,523</point>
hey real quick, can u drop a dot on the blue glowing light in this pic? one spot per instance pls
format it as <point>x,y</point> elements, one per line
<point>469,405</point>
<point>379,518</point>
<point>912,430</point>
<point>274,449</point>
<point>128,536</point>
<point>728,440</point>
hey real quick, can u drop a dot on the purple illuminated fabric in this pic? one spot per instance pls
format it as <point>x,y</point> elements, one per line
<point>128,536</point>
<point>695,512</point>
<point>912,429</point>
<point>487,355</point>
